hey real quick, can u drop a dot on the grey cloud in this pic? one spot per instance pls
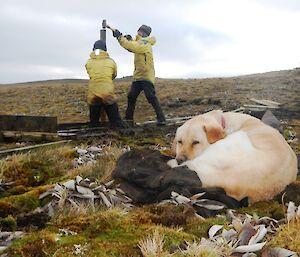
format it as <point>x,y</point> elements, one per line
<point>185,42</point>
<point>59,34</point>
<point>290,5</point>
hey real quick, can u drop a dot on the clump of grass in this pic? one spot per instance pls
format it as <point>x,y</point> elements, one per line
<point>199,227</point>
<point>199,250</point>
<point>271,209</point>
<point>287,236</point>
<point>167,215</point>
<point>40,243</point>
<point>8,224</point>
<point>17,204</point>
<point>153,245</point>
<point>37,168</point>
<point>6,208</point>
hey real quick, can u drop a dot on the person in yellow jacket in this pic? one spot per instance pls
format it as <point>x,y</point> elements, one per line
<point>144,74</point>
<point>101,91</point>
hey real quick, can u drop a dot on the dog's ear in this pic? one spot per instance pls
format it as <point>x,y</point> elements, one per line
<point>213,133</point>
<point>173,148</point>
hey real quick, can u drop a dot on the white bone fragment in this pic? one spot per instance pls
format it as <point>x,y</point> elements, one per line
<point>249,248</point>
<point>260,234</point>
<point>213,230</point>
<point>70,184</point>
<point>105,200</point>
<point>291,211</point>
<point>84,191</point>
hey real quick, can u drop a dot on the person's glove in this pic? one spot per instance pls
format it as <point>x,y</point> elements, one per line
<point>117,33</point>
<point>128,37</point>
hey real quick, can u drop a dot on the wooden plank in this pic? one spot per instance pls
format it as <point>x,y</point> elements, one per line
<point>260,106</point>
<point>28,123</point>
<point>27,148</point>
<point>265,102</point>
<point>170,120</point>
<point>271,102</point>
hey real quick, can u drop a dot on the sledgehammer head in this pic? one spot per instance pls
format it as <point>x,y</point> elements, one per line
<point>104,24</point>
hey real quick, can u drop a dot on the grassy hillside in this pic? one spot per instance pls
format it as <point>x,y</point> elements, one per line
<point>119,232</point>
<point>66,99</point>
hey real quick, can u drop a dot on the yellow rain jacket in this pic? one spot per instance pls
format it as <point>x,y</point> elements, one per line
<point>143,57</point>
<point>102,70</point>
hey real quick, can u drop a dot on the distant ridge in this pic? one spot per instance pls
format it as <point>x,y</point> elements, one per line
<point>130,78</point>
<point>56,81</point>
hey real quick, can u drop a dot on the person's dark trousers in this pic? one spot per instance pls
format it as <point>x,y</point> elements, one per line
<point>149,91</point>
<point>95,115</point>
<point>113,115</point>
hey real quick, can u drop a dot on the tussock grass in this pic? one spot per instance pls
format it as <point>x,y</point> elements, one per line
<point>287,236</point>
<point>38,167</point>
<point>115,232</point>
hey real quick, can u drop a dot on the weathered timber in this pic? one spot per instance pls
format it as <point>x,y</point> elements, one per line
<point>27,148</point>
<point>28,123</point>
<point>265,102</point>
<point>260,106</point>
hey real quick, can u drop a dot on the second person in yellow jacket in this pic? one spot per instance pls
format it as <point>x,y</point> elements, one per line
<point>144,73</point>
<point>101,91</point>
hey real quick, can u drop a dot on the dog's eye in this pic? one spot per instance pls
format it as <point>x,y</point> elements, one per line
<point>179,142</point>
<point>195,142</point>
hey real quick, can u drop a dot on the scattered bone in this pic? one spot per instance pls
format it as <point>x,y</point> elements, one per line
<point>78,192</point>
<point>6,238</point>
<point>180,199</point>
<point>5,185</point>
<point>213,230</point>
<point>293,211</point>
<point>66,232</point>
<point>89,155</point>
<point>279,252</point>
<point>249,248</point>
<point>197,200</point>
<point>246,236</point>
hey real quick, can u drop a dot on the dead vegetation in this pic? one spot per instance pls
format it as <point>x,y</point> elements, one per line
<point>119,232</point>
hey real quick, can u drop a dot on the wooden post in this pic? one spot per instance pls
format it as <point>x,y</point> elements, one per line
<point>28,123</point>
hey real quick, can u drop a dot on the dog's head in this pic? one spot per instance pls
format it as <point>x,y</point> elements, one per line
<point>195,135</point>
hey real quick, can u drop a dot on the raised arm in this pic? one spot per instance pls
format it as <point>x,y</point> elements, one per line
<point>139,47</point>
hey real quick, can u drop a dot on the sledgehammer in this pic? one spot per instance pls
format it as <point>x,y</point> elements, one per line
<point>103,30</point>
<point>105,25</point>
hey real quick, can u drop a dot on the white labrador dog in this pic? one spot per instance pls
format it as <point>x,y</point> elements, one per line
<point>236,152</point>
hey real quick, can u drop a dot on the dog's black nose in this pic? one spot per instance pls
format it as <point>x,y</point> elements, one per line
<point>180,159</point>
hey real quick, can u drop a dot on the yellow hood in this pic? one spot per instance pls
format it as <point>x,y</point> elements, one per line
<point>143,57</point>
<point>102,70</point>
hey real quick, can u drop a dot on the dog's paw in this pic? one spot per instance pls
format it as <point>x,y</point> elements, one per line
<point>172,163</point>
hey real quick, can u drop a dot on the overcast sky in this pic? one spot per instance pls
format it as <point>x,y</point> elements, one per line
<point>52,39</point>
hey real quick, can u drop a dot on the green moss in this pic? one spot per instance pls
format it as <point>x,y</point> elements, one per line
<point>21,203</point>
<point>41,243</point>
<point>6,209</point>
<point>8,224</point>
<point>199,227</point>
<point>39,167</point>
<point>168,215</point>
<point>271,209</point>
<point>287,236</point>
<point>18,190</point>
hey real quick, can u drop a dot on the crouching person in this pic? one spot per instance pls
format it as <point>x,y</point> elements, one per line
<point>101,93</point>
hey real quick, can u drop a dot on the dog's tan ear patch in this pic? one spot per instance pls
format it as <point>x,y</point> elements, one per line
<point>173,147</point>
<point>213,133</point>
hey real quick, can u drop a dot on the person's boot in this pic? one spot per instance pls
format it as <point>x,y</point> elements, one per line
<point>161,120</point>
<point>129,114</point>
<point>115,120</point>
<point>94,115</point>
